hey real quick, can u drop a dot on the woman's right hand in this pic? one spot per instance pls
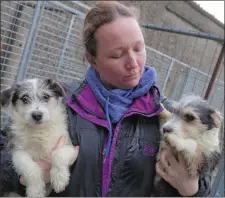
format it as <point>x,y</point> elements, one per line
<point>46,165</point>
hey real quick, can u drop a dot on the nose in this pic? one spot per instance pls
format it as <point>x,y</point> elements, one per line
<point>167,129</point>
<point>131,62</point>
<point>37,115</point>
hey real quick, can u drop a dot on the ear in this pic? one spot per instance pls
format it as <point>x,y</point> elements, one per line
<point>217,118</point>
<point>55,87</point>
<point>90,59</point>
<point>6,96</point>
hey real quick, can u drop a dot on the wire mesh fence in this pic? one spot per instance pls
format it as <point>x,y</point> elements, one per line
<point>40,39</point>
<point>57,50</point>
<point>14,30</point>
<point>185,64</point>
<point>43,39</point>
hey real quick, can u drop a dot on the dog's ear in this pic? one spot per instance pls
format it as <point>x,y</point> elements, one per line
<point>55,87</point>
<point>217,118</point>
<point>6,96</point>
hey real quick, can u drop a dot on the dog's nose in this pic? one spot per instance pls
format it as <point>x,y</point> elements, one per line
<point>37,115</point>
<point>167,129</point>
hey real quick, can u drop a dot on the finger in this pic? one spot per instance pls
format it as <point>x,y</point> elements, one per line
<point>181,159</point>
<point>164,162</point>
<point>22,181</point>
<point>60,142</point>
<point>169,150</point>
<point>169,156</point>
<point>47,177</point>
<point>44,164</point>
<point>161,172</point>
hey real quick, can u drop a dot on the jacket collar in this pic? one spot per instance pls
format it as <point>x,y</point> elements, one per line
<point>145,104</point>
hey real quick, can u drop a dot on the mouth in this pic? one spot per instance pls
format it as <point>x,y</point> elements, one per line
<point>38,122</point>
<point>35,123</point>
<point>132,75</point>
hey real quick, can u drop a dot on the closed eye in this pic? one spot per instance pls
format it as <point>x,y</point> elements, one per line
<point>189,117</point>
<point>116,56</point>
<point>139,48</point>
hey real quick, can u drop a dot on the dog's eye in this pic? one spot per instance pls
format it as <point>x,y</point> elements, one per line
<point>46,97</point>
<point>189,117</point>
<point>25,99</point>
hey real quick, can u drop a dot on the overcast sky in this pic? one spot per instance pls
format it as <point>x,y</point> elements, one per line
<point>215,8</point>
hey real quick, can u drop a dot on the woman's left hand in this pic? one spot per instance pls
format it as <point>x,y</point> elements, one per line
<point>175,173</point>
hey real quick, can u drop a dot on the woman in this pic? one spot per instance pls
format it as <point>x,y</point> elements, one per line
<point>113,117</point>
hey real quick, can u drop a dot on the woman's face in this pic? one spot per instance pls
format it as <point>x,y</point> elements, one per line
<point>121,53</point>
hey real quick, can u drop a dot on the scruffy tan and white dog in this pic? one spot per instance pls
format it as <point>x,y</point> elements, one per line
<point>192,129</point>
<point>38,118</point>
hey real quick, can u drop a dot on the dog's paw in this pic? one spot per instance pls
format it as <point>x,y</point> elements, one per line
<point>59,178</point>
<point>37,190</point>
<point>174,141</point>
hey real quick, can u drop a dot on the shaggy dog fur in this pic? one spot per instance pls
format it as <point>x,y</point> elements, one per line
<point>38,118</point>
<point>192,129</point>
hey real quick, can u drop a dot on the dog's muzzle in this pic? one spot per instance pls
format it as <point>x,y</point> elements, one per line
<point>37,116</point>
<point>167,129</point>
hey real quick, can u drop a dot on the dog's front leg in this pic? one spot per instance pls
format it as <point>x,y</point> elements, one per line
<point>62,158</point>
<point>32,173</point>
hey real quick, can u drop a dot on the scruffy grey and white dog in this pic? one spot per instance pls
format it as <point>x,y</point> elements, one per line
<point>192,129</point>
<point>38,118</point>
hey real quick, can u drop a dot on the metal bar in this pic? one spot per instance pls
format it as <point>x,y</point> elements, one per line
<point>197,73</point>
<point>65,44</point>
<point>53,34</point>
<point>184,32</point>
<point>214,55</point>
<point>7,72</point>
<point>69,9</point>
<point>52,40</point>
<point>82,4</point>
<point>11,8</point>
<point>215,72</point>
<point>2,21</point>
<point>10,31</point>
<point>175,60</point>
<point>10,60</point>
<point>218,184</point>
<point>52,12</point>
<point>13,53</point>
<point>9,79</point>
<point>18,19</point>
<point>167,76</point>
<point>57,29</point>
<point>26,51</point>
<point>37,28</point>
<point>39,63</point>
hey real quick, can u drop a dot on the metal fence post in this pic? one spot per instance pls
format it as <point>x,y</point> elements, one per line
<point>27,49</point>
<point>65,44</point>
<point>184,32</point>
<point>218,184</point>
<point>215,72</point>
<point>167,75</point>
